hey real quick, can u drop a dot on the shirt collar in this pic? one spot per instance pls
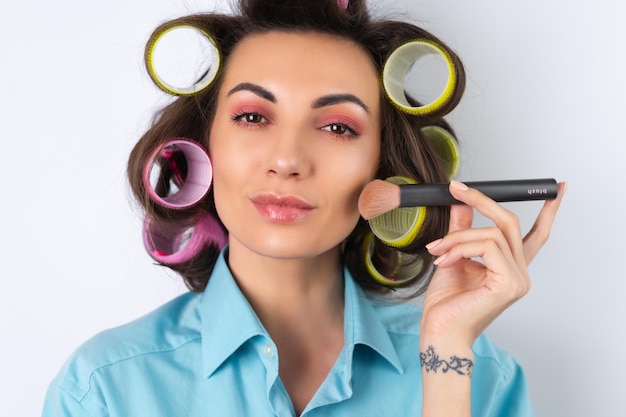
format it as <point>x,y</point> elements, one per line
<point>228,320</point>
<point>363,324</point>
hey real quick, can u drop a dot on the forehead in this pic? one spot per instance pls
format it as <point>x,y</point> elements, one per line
<point>303,57</point>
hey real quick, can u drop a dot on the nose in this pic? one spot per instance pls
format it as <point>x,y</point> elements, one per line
<point>289,156</point>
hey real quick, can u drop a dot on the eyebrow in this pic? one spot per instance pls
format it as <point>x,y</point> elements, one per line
<point>323,101</point>
<point>331,99</point>
<point>256,89</point>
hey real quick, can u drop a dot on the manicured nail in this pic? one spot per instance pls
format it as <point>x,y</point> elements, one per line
<point>440,259</point>
<point>458,185</point>
<point>433,244</point>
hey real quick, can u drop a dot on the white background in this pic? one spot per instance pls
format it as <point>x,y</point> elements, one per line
<point>545,97</point>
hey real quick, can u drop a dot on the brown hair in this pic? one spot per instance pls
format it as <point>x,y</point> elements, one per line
<point>404,149</point>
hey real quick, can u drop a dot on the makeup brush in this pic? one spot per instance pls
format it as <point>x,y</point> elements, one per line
<point>380,196</point>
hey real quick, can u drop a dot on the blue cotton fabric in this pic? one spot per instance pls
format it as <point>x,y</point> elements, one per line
<point>209,355</point>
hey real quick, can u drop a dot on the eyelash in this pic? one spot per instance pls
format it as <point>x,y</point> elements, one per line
<point>238,118</point>
<point>349,133</point>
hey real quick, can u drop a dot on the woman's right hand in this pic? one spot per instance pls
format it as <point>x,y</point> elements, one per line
<point>480,273</point>
<point>465,294</point>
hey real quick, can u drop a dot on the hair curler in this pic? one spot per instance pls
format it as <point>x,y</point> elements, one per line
<point>212,56</point>
<point>398,228</point>
<point>446,147</point>
<point>398,65</point>
<point>407,265</point>
<point>178,174</point>
<point>180,242</point>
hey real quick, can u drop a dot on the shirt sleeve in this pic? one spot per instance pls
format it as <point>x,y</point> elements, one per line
<point>60,403</point>
<point>513,399</point>
<point>499,387</point>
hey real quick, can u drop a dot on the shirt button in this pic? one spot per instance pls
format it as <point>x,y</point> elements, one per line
<point>268,351</point>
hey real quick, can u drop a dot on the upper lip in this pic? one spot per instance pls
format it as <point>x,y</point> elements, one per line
<point>281,200</point>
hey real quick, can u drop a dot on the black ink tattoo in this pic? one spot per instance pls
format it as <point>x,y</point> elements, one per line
<point>431,362</point>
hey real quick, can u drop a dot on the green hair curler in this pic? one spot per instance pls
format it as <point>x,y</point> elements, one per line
<point>400,62</point>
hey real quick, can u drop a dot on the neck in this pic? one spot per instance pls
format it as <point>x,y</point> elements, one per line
<point>300,302</point>
<point>285,293</point>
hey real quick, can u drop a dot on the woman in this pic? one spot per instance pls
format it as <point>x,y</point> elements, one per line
<point>286,319</point>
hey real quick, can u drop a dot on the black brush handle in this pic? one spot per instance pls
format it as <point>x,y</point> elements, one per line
<point>414,195</point>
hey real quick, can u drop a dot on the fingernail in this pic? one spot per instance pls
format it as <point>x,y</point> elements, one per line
<point>458,185</point>
<point>440,259</point>
<point>433,243</point>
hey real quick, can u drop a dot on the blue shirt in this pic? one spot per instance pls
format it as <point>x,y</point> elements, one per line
<point>209,355</point>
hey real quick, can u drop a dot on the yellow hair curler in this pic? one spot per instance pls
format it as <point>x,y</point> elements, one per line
<point>212,57</point>
<point>399,227</point>
<point>400,62</point>
<point>407,266</point>
<point>446,147</point>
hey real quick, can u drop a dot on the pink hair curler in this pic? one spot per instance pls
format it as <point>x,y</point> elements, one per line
<point>181,245</point>
<point>190,173</point>
<point>343,3</point>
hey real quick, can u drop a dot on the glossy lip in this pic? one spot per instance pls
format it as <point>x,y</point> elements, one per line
<point>281,209</point>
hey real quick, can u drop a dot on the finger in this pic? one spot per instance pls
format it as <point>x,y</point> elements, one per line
<point>503,269</point>
<point>461,217</point>
<point>504,219</point>
<point>540,231</point>
<point>452,239</point>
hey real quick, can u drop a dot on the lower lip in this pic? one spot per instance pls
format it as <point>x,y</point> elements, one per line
<point>282,214</point>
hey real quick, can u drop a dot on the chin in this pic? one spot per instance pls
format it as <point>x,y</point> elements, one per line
<point>279,247</point>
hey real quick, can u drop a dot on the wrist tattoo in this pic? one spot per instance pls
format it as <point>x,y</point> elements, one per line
<point>430,361</point>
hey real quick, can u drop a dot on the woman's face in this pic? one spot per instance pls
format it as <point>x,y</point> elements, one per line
<point>295,138</point>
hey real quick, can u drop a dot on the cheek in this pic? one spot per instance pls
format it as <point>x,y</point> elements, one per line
<point>225,158</point>
<point>222,170</point>
<point>227,202</point>
<point>361,166</point>
<point>233,171</point>
<point>351,174</point>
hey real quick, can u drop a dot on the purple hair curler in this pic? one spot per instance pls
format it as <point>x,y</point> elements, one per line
<point>180,245</point>
<point>188,177</point>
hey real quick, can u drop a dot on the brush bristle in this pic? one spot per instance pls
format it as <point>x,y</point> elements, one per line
<point>378,197</point>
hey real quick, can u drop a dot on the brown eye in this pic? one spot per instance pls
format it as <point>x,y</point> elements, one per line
<point>338,129</point>
<point>341,130</point>
<point>249,118</point>
<point>253,118</point>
